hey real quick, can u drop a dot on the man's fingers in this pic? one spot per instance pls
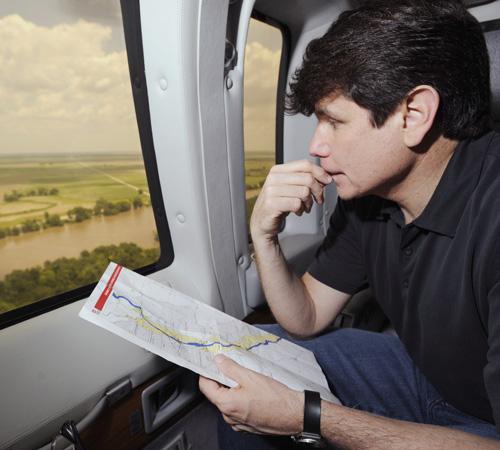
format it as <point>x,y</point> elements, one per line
<point>287,205</point>
<point>302,192</point>
<point>304,165</point>
<point>308,205</point>
<point>297,179</point>
<point>229,420</point>
<point>231,369</point>
<point>211,389</point>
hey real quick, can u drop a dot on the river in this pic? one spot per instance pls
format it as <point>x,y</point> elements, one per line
<point>32,249</point>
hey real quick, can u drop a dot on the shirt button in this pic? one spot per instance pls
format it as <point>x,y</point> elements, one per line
<point>408,251</point>
<point>405,283</point>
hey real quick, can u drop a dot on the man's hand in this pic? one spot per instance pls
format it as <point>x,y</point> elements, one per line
<point>290,187</point>
<point>258,404</point>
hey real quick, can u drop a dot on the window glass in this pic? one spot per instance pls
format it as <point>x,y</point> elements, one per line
<point>73,189</point>
<point>262,64</point>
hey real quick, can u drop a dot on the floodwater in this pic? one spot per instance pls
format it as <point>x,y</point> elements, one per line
<point>32,249</point>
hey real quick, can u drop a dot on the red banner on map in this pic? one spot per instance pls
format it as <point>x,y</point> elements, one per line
<point>107,290</point>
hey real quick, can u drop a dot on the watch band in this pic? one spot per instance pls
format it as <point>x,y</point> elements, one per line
<point>311,434</point>
<point>312,412</point>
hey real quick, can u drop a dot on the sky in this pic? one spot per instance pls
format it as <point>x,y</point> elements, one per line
<point>64,83</point>
<point>262,59</point>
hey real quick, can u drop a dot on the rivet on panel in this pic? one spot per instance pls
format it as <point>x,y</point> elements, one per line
<point>163,84</point>
<point>241,260</point>
<point>181,218</point>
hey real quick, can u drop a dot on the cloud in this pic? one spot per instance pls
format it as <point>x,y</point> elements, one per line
<point>62,74</point>
<point>261,72</point>
<point>64,90</point>
<point>261,79</point>
<point>93,10</point>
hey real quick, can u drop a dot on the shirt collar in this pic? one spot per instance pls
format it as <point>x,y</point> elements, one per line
<point>446,206</point>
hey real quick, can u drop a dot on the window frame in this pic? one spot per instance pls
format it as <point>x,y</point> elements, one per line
<point>280,90</point>
<point>282,78</point>
<point>490,25</point>
<point>135,56</point>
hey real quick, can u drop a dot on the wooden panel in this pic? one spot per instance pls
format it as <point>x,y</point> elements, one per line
<point>121,427</point>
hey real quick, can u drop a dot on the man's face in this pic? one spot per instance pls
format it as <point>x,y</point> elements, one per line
<point>361,158</point>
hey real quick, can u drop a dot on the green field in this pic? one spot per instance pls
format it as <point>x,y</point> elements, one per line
<point>256,170</point>
<point>257,166</point>
<point>80,181</point>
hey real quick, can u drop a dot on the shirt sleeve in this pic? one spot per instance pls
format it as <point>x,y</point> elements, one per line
<point>492,369</point>
<point>339,261</point>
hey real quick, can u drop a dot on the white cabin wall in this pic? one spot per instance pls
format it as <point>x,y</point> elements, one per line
<point>487,12</point>
<point>56,366</point>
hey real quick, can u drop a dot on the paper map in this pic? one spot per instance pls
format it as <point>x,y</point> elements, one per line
<point>190,333</point>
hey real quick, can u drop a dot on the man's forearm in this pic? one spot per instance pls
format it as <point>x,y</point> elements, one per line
<point>352,429</point>
<point>285,293</point>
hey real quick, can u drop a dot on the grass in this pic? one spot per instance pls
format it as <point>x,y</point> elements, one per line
<point>256,169</point>
<point>81,181</point>
<point>257,166</point>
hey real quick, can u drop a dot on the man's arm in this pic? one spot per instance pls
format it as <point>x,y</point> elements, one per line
<point>303,306</point>
<point>359,430</point>
<point>262,405</point>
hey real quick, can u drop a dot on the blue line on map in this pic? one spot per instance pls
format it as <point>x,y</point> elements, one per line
<point>194,344</point>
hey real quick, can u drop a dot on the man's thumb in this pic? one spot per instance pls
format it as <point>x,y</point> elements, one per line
<point>228,367</point>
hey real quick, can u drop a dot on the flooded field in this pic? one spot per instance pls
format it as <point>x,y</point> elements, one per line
<point>32,249</point>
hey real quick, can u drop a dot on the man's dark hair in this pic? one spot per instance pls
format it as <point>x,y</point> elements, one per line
<point>376,54</point>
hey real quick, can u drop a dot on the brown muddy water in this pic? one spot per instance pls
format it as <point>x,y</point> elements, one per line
<point>32,249</point>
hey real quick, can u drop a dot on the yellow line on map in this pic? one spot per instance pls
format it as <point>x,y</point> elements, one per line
<point>212,344</point>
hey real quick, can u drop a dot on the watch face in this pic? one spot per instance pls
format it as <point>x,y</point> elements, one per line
<point>312,439</point>
<point>307,440</point>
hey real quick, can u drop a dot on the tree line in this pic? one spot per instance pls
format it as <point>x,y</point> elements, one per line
<point>15,195</point>
<point>22,287</point>
<point>77,214</point>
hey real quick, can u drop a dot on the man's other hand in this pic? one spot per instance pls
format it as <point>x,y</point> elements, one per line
<point>290,187</point>
<point>258,404</point>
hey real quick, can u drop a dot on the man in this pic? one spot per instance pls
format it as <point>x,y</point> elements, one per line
<point>401,93</point>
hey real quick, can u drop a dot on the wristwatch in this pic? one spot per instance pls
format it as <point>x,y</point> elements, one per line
<point>311,435</point>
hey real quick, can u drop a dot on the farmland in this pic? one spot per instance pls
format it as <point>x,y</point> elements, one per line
<point>257,166</point>
<point>79,181</point>
<point>39,195</point>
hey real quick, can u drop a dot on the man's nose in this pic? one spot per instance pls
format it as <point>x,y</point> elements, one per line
<point>319,145</point>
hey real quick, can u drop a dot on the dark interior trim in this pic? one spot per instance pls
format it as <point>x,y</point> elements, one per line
<point>490,25</point>
<point>473,3</point>
<point>135,54</point>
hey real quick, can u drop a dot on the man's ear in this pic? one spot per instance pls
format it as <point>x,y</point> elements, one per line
<point>419,111</point>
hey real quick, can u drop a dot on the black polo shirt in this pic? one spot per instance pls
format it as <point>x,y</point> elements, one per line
<point>436,278</point>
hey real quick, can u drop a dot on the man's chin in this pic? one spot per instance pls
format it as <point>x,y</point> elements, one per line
<point>347,194</point>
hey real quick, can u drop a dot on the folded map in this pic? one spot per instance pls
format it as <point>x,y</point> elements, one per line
<point>190,333</point>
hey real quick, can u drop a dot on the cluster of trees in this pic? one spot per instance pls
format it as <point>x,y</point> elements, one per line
<point>29,225</point>
<point>15,195</point>
<point>104,208</point>
<point>256,185</point>
<point>75,215</point>
<point>22,287</point>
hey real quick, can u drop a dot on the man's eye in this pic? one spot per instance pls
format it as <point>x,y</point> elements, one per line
<point>333,123</point>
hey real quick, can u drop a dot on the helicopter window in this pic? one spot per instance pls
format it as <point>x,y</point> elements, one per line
<point>261,113</point>
<point>73,187</point>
